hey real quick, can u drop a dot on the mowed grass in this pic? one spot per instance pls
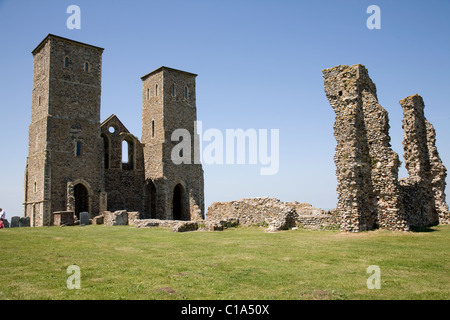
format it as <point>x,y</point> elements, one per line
<point>124,262</point>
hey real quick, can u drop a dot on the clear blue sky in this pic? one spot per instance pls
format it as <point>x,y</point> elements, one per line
<point>259,65</point>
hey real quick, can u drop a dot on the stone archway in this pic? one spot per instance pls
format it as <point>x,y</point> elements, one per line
<point>151,200</point>
<point>180,208</point>
<point>81,195</point>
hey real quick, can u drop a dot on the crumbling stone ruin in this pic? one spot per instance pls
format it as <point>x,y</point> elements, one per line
<point>80,170</point>
<point>75,162</point>
<point>424,189</point>
<point>370,195</point>
<point>273,213</point>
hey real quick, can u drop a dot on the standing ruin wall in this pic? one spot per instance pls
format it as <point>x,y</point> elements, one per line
<point>370,195</point>
<point>424,188</point>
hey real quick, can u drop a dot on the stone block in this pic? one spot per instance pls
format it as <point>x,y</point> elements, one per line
<point>132,216</point>
<point>116,218</point>
<point>184,226</point>
<point>84,218</point>
<point>24,222</point>
<point>98,219</point>
<point>63,218</point>
<point>15,222</point>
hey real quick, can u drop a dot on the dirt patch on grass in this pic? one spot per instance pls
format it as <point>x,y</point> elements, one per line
<point>166,290</point>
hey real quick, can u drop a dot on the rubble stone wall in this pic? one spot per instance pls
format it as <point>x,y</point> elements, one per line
<point>273,213</point>
<point>370,195</point>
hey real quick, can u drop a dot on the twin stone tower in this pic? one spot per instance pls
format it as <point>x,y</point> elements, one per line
<point>77,163</point>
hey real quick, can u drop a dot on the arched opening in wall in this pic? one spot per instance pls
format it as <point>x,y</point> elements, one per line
<point>81,195</point>
<point>127,154</point>
<point>179,207</point>
<point>105,152</point>
<point>151,198</point>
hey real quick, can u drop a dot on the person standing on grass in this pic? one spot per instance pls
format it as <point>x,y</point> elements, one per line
<point>2,214</point>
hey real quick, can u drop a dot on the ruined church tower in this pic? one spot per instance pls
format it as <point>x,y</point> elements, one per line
<point>64,168</point>
<point>174,191</point>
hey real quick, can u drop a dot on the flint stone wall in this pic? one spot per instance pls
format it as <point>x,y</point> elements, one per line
<point>418,196</point>
<point>184,226</point>
<point>366,166</point>
<point>272,212</point>
<point>116,218</point>
<point>249,212</point>
<point>319,222</point>
<point>370,195</point>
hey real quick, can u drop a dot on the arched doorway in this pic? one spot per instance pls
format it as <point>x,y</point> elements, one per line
<point>151,198</point>
<point>178,203</point>
<point>81,196</point>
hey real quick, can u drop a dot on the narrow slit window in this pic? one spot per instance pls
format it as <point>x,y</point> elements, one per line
<point>39,100</point>
<point>156,90</point>
<point>173,90</point>
<point>66,62</point>
<point>148,93</point>
<point>185,92</point>
<point>78,149</point>
<point>153,128</point>
<point>86,67</point>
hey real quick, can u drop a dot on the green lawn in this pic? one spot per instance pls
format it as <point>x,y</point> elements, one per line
<point>124,262</point>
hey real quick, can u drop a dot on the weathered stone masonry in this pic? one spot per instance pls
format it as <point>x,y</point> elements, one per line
<point>424,189</point>
<point>75,163</point>
<point>370,195</point>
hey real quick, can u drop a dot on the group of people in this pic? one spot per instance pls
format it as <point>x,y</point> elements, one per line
<point>2,218</point>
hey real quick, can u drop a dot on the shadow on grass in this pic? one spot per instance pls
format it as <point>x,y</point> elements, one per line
<point>423,229</point>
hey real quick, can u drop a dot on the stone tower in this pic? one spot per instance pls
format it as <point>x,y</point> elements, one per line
<point>173,191</point>
<point>64,168</point>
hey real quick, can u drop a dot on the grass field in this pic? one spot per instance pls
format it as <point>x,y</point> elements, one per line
<point>123,262</point>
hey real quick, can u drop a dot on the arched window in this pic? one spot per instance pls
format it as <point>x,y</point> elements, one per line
<point>86,67</point>
<point>127,154</point>
<point>151,200</point>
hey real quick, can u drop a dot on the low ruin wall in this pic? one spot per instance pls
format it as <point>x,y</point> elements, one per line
<point>273,213</point>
